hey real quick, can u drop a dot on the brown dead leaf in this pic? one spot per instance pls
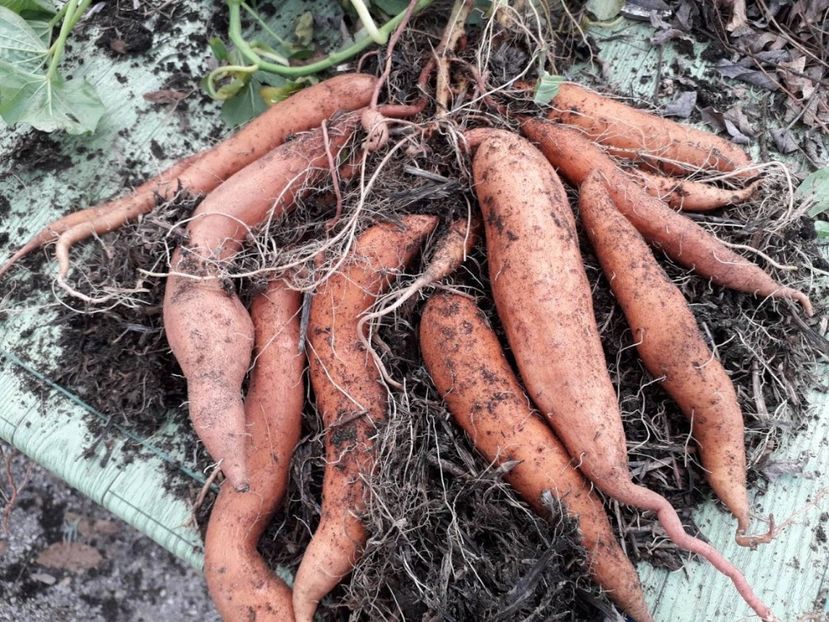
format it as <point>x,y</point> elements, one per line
<point>106,527</point>
<point>796,80</point>
<point>72,556</point>
<point>738,14</point>
<point>165,96</point>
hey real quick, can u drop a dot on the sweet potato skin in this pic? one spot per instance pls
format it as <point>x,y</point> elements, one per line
<point>572,153</point>
<point>351,400</point>
<point>544,302</point>
<point>637,134</point>
<point>470,371</point>
<point>668,340</point>
<point>202,172</point>
<point>208,329</point>
<point>238,579</point>
<point>688,195</point>
<point>537,272</point>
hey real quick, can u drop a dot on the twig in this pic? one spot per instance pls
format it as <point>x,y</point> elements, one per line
<point>451,35</point>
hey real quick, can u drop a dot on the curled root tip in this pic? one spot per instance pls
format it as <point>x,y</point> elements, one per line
<point>804,301</point>
<point>376,128</point>
<point>751,542</point>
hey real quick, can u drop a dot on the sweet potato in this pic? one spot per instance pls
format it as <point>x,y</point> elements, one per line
<point>201,173</point>
<point>470,371</point>
<point>450,251</point>
<point>239,580</point>
<point>668,340</point>
<point>207,327</point>
<point>637,134</point>
<point>688,195</point>
<point>351,400</point>
<point>679,237</point>
<point>544,301</point>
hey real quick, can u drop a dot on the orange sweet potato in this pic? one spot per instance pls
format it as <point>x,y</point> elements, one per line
<point>207,327</point>
<point>637,134</point>
<point>544,301</point>
<point>470,371</point>
<point>668,340</point>
<point>679,237</point>
<point>240,582</point>
<point>351,400</point>
<point>202,172</point>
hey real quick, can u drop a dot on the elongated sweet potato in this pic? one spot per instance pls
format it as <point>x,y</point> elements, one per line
<point>207,327</point>
<point>688,195</point>
<point>544,302</point>
<point>351,400</point>
<point>679,237</point>
<point>240,583</point>
<point>668,340</point>
<point>637,134</point>
<point>470,371</point>
<point>201,173</point>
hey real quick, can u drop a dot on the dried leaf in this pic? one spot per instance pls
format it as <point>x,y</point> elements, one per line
<point>684,15</point>
<point>72,556</point>
<point>772,56</point>
<point>738,118</point>
<point>796,80</point>
<point>784,140</point>
<point>752,76</point>
<point>641,10</point>
<point>165,96</point>
<point>774,469</point>
<point>682,106</point>
<point>713,118</point>
<point>738,14</point>
<point>736,135</point>
<point>663,36</point>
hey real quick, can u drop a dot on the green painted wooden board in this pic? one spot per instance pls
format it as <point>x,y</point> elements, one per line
<point>791,573</point>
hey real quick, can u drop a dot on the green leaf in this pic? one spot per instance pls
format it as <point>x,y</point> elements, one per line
<point>21,48</point>
<point>822,229</point>
<point>304,29</point>
<point>42,30</point>
<point>274,94</point>
<point>546,88</point>
<point>815,190</point>
<point>604,10</point>
<point>245,105</point>
<point>219,49</point>
<point>29,8</point>
<point>391,7</point>
<point>70,105</point>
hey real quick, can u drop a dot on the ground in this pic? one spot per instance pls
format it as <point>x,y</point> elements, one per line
<point>65,557</point>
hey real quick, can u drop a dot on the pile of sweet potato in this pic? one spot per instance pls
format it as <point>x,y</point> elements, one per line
<point>558,428</point>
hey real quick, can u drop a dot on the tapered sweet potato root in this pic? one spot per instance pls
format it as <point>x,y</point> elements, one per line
<point>544,302</point>
<point>351,400</point>
<point>690,196</point>
<point>207,327</point>
<point>470,371</point>
<point>240,583</point>
<point>679,237</point>
<point>668,340</point>
<point>201,173</point>
<point>636,134</point>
